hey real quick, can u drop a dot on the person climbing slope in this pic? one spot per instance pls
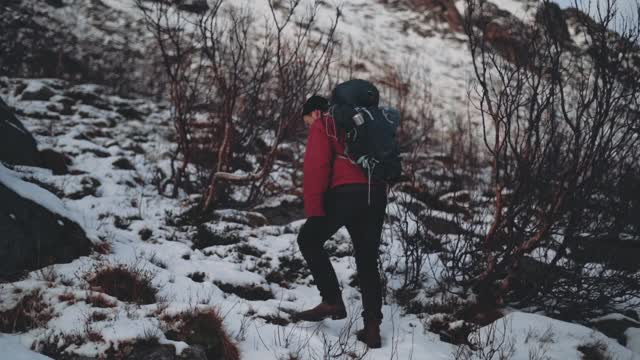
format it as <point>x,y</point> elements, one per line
<point>337,192</point>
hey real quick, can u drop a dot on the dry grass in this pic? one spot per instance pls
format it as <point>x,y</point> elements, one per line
<point>204,328</point>
<point>55,344</point>
<point>596,350</point>
<point>29,313</point>
<point>103,248</point>
<point>125,282</point>
<point>99,300</point>
<point>67,297</point>
<point>247,292</point>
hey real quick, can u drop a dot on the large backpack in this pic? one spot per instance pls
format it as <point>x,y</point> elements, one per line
<point>370,129</point>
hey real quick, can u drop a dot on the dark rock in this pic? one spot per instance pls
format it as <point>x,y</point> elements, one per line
<point>19,89</point>
<point>129,112</point>
<point>552,19</point>
<point>145,234</point>
<point>55,161</point>
<point>532,276</point>
<point>606,249</point>
<point>88,97</point>
<point>284,213</point>
<point>97,152</point>
<point>17,146</point>
<point>55,3</point>
<point>62,108</point>
<point>135,148</point>
<point>442,226</point>
<point>275,320</point>
<point>195,6</point>
<point>433,202</point>
<point>249,250</point>
<point>442,10</point>
<point>105,123</point>
<point>123,164</point>
<point>632,314</point>
<point>205,237</point>
<point>615,326</point>
<point>250,292</point>
<point>504,32</point>
<point>151,350</point>
<point>37,92</point>
<point>66,101</point>
<point>197,276</point>
<point>34,237</point>
<point>91,134</point>
<point>89,185</point>
<point>53,107</point>
<point>36,114</point>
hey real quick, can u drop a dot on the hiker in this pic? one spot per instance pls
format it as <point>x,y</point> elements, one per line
<point>337,192</point>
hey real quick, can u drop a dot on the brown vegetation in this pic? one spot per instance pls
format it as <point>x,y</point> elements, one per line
<point>125,282</point>
<point>204,328</point>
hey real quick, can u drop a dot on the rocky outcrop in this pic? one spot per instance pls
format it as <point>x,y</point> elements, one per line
<point>195,6</point>
<point>503,31</point>
<point>17,146</point>
<point>552,19</point>
<point>37,91</point>
<point>34,236</point>
<point>445,10</point>
<point>60,39</point>
<point>615,326</point>
<point>32,233</point>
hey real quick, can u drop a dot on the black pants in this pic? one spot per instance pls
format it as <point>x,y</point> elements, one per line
<point>363,214</point>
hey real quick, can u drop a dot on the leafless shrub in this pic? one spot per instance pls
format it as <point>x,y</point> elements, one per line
<point>47,274</point>
<point>492,342</point>
<point>559,125</point>
<point>345,346</point>
<point>233,85</point>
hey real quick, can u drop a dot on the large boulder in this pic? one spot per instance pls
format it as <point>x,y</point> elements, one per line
<point>37,229</point>
<point>17,146</point>
<point>37,91</point>
<point>615,326</point>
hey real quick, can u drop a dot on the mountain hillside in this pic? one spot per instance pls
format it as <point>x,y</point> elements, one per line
<point>85,78</point>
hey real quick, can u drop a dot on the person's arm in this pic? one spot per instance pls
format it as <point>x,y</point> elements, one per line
<point>318,159</point>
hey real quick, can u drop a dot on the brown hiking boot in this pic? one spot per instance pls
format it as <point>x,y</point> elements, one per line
<point>370,334</point>
<point>322,311</point>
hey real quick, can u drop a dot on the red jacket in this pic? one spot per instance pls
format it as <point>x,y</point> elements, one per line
<point>325,165</point>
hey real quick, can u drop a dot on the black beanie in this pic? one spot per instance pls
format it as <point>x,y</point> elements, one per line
<point>316,102</point>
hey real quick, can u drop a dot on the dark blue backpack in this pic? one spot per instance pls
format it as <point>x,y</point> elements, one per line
<point>370,129</point>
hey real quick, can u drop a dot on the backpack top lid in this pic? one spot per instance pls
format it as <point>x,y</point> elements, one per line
<point>355,92</point>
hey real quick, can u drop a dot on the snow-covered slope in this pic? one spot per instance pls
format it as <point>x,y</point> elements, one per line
<point>249,271</point>
<point>126,212</point>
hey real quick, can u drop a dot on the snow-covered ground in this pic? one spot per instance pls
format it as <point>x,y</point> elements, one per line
<point>126,205</point>
<point>96,138</point>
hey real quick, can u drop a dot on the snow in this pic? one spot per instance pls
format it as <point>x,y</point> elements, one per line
<point>554,338</point>
<point>165,256</point>
<point>170,256</point>
<point>633,339</point>
<point>12,349</point>
<point>615,316</point>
